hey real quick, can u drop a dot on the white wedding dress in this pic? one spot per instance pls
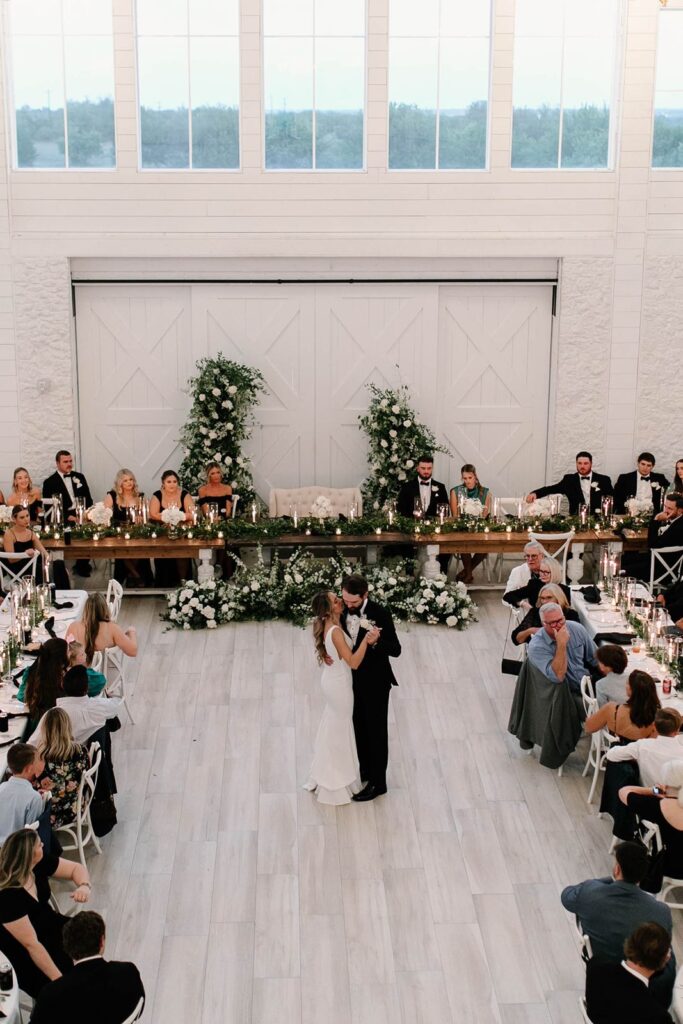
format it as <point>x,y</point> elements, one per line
<point>335,771</point>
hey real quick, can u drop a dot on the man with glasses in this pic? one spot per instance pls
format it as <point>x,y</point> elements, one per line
<point>563,651</point>
<point>521,574</point>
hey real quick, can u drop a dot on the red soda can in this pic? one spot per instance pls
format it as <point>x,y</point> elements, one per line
<point>666,686</point>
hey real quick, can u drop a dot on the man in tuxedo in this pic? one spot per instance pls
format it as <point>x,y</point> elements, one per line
<point>68,485</point>
<point>430,493</point>
<point>372,682</point>
<point>664,531</point>
<point>581,488</point>
<point>642,484</point>
<point>106,991</point>
<point>620,993</point>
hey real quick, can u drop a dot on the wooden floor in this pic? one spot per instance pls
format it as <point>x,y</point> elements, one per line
<point>242,900</point>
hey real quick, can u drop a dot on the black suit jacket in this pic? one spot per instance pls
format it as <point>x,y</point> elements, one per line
<point>411,490</point>
<point>102,991</point>
<point>627,485</point>
<point>375,666</point>
<point>54,487</point>
<point>570,486</point>
<point>672,537</point>
<point>613,996</point>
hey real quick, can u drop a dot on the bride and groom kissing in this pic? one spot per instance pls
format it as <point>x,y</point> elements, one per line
<point>354,639</point>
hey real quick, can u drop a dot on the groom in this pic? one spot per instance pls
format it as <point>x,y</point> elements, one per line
<point>372,682</point>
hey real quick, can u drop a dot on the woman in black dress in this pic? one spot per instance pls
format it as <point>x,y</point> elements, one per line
<point>170,571</point>
<point>21,539</point>
<point>215,492</point>
<point>24,493</point>
<point>121,499</point>
<point>664,809</point>
<point>30,930</point>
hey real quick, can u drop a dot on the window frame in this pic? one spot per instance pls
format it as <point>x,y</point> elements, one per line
<point>315,170</point>
<point>677,7</point>
<point>138,109</point>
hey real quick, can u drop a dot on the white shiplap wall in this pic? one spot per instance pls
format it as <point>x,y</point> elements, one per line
<point>628,216</point>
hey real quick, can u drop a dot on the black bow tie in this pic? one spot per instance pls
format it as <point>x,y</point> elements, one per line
<point>353,611</point>
<point>425,483</point>
<point>67,476</point>
<point>645,479</point>
<point>585,478</point>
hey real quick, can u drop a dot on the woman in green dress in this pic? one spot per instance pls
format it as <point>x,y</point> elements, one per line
<point>470,490</point>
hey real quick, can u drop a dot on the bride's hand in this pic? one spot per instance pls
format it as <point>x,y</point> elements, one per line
<point>373,636</point>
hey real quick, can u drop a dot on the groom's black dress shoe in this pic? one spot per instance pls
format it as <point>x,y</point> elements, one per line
<point>369,793</point>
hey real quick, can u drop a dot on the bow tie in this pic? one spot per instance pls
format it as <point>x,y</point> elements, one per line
<point>645,479</point>
<point>353,611</point>
<point>425,483</point>
<point>585,478</point>
<point>67,476</point>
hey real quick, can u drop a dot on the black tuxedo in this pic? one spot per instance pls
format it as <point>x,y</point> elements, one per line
<point>372,682</point>
<point>627,485</point>
<point>105,991</point>
<point>411,490</point>
<point>570,486</point>
<point>672,537</point>
<point>54,487</point>
<point>614,996</point>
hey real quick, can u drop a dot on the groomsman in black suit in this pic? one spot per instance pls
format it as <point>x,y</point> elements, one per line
<point>68,485</point>
<point>581,488</point>
<point>430,493</point>
<point>372,682</point>
<point>642,483</point>
<point>664,531</point>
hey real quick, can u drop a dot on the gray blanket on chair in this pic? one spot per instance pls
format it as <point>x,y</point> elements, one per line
<point>545,714</point>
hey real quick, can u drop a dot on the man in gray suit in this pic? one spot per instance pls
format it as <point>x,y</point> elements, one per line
<point>610,909</point>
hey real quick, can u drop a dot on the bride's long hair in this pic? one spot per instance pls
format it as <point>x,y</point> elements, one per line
<point>321,608</point>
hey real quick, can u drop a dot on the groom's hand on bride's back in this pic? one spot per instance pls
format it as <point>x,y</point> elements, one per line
<point>327,660</point>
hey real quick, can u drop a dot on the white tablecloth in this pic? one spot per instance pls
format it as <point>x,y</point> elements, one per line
<point>603,617</point>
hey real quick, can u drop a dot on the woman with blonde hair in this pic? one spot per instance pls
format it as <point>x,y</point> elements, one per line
<point>30,930</point>
<point>24,493</point>
<point>65,761</point>
<point>123,499</point>
<point>97,632</point>
<point>531,623</point>
<point>214,491</point>
<point>334,775</point>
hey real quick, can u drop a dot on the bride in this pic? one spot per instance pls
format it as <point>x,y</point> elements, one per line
<point>334,772</point>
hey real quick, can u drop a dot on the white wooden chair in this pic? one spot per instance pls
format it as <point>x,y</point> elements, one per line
<point>80,830</point>
<point>653,841</point>
<point>584,1012</point>
<point>600,741</point>
<point>114,668</point>
<point>114,598</point>
<point>137,1012</point>
<point>561,552</point>
<point>666,567</point>
<point>25,566</point>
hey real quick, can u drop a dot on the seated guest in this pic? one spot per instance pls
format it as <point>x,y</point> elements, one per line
<point>664,809</point>
<point>20,803</point>
<point>563,651</point>
<point>68,485</point>
<point>87,714</point>
<point>21,539</point>
<point>215,492</point>
<point>634,720</point>
<point>96,680</point>
<point>531,623</point>
<point>97,632</point>
<point>170,571</point>
<point>470,490</point>
<point>653,753</point>
<point>581,488</point>
<point>425,494</point>
<point>123,499</point>
<point>677,485</point>
<point>550,571</point>
<point>621,993</point>
<point>30,930</point>
<point>664,531</point>
<point>612,662</point>
<point>672,599</point>
<point>528,570</point>
<point>24,493</point>
<point>642,484</point>
<point>106,991</point>
<point>42,682</point>
<point>2,499</point>
<point>65,761</point>
<point>608,910</point>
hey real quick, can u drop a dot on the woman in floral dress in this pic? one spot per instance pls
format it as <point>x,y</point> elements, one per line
<point>65,762</point>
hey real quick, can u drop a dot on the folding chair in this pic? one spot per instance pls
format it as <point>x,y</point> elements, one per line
<point>114,598</point>
<point>114,668</point>
<point>27,567</point>
<point>583,1010</point>
<point>665,570</point>
<point>80,829</point>
<point>600,741</point>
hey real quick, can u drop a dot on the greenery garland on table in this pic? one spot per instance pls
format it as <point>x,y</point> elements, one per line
<point>220,421</point>
<point>396,440</point>
<point>284,590</point>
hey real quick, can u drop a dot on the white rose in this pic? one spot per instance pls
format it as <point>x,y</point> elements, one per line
<point>255,586</point>
<point>229,426</point>
<point>382,481</point>
<point>392,580</point>
<point>228,460</point>
<point>384,403</point>
<point>202,398</point>
<point>407,423</point>
<point>298,578</point>
<point>288,578</point>
<point>409,464</point>
<point>384,443</point>
<point>194,603</point>
<point>392,433</point>
<point>245,590</point>
<point>420,609</point>
<point>375,504</point>
<point>401,475</point>
<point>464,613</point>
<point>211,624</point>
<point>212,435</point>
<point>394,458</point>
<point>427,593</point>
<point>203,430</point>
<point>232,390</point>
<point>396,408</point>
<point>186,625</point>
<point>215,392</point>
<point>218,456</point>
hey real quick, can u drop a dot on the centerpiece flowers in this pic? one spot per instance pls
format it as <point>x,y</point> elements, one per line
<point>99,514</point>
<point>322,508</point>
<point>172,518</point>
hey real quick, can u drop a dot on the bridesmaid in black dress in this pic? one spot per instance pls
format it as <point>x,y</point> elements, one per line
<point>124,496</point>
<point>215,492</point>
<point>20,538</point>
<point>170,571</point>
<point>24,493</point>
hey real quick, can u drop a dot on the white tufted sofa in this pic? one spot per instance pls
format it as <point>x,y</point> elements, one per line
<point>283,499</point>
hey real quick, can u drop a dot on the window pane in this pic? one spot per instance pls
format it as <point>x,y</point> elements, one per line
<point>536,102</point>
<point>31,16</point>
<point>39,101</point>
<point>465,18</point>
<point>538,18</point>
<point>288,88</point>
<point>590,18</point>
<point>163,84</point>
<point>339,101</point>
<point>162,17</point>
<point>667,145</point>
<point>411,18</point>
<point>463,95</point>
<point>290,18</point>
<point>333,18</point>
<point>586,96</point>
<point>412,103</point>
<point>214,17</point>
<point>89,65</point>
<point>214,81</point>
<point>87,17</point>
<point>670,51</point>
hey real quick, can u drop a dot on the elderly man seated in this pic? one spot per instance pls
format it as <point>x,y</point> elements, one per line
<point>521,574</point>
<point>563,651</point>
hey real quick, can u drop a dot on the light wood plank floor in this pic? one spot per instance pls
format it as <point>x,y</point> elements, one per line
<point>242,900</point>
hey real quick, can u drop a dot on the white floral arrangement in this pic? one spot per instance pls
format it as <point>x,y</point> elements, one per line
<point>99,514</point>
<point>172,516</point>
<point>473,507</point>
<point>539,509</point>
<point>638,506</point>
<point>193,605</point>
<point>5,514</point>
<point>322,508</point>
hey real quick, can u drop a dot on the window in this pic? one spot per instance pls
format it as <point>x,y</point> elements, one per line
<point>439,58</point>
<point>63,83</point>
<point>667,147</point>
<point>314,84</point>
<point>188,81</point>
<point>563,83</point>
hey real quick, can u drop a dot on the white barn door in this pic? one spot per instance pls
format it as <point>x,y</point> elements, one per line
<point>494,374</point>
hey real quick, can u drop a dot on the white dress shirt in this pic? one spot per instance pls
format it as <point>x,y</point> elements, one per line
<point>519,577</point>
<point>586,488</point>
<point>69,484</point>
<point>425,493</point>
<point>651,755</point>
<point>636,974</point>
<point>87,715</point>
<point>643,489</point>
<point>353,622</point>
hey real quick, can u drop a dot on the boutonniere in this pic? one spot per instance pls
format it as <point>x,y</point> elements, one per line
<point>366,624</point>
<point>435,490</point>
<point>655,486</point>
<point>595,486</point>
